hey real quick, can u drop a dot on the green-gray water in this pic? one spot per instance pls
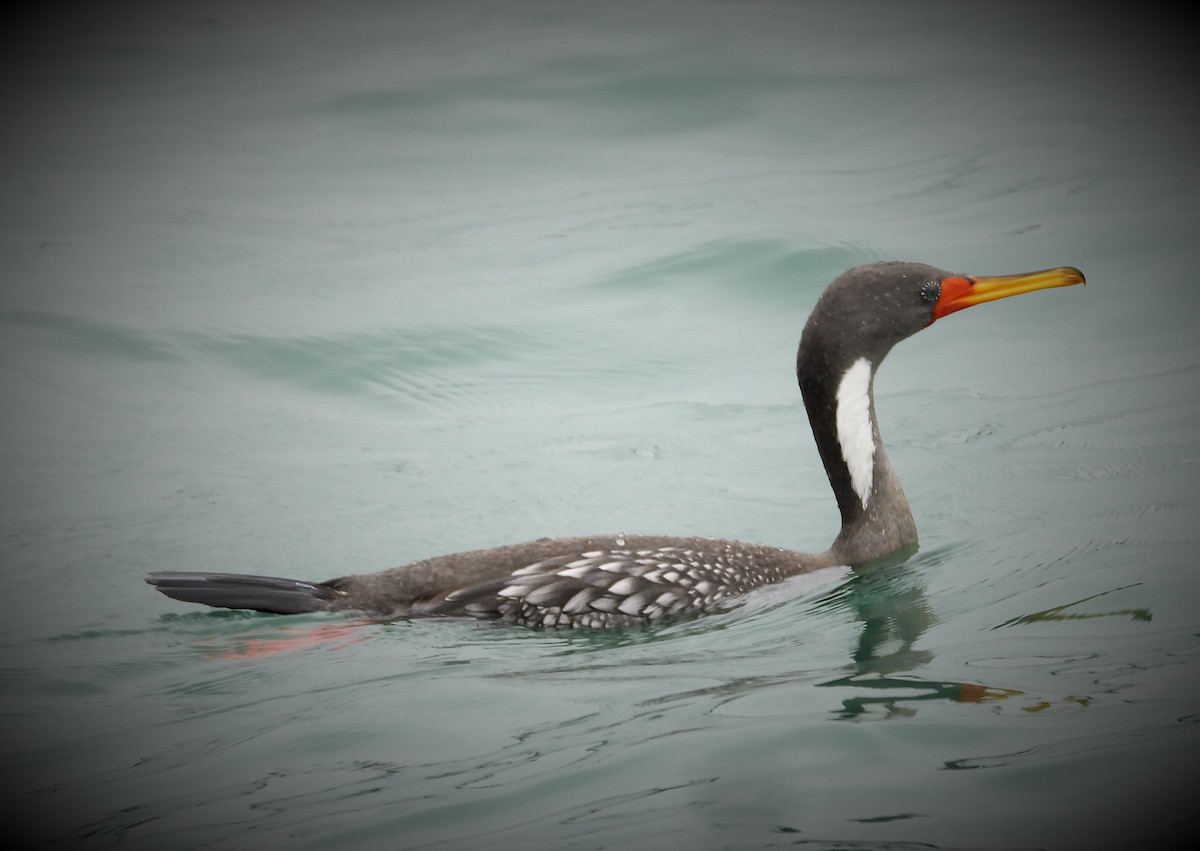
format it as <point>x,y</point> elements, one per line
<point>306,289</point>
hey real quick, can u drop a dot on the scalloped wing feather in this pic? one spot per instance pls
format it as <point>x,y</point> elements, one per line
<point>604,588</point>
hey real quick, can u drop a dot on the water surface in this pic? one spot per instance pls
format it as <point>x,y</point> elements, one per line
<point>304,291</point>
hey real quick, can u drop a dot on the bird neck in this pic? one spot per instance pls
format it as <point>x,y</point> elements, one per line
<point>876,518</point>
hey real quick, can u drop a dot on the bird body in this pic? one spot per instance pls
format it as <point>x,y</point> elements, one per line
<point>598,582</point>
<point>625,580</point>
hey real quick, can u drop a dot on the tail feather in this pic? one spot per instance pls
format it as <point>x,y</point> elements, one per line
<point>242,591</point>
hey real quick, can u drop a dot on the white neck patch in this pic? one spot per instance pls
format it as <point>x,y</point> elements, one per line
<point>854,427</point>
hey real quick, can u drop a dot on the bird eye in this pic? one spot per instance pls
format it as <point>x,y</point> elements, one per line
<point>930,291</point>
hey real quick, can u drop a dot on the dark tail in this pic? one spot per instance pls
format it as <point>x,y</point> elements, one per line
<point>240,591</point>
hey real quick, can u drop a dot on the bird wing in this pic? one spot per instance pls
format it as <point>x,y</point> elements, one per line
<point>601,588</point>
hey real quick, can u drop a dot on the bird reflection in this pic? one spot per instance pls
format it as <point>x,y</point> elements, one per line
<point>889,599</point>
